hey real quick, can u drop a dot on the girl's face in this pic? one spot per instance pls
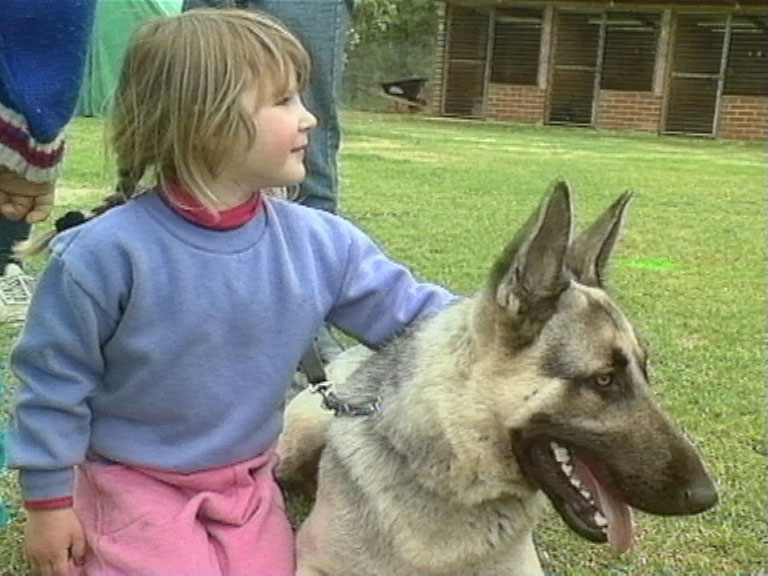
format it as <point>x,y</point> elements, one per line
<point>277,155</point>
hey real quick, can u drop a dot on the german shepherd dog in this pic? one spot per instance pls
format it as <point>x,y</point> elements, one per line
<point>534,388</point>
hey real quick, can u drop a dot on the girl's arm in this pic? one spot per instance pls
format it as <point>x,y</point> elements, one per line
<point>379,297</point>
<point>59,364</point>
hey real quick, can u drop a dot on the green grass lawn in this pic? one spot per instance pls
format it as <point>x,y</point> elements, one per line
<point>445,196</point>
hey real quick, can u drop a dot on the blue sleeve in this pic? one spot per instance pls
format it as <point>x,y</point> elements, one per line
<point>43,47</point>
<point>58,362</point>
<point>379,298</point>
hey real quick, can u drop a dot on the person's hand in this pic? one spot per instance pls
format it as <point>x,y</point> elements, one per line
<point>20,198</point>
<point>54,542</point>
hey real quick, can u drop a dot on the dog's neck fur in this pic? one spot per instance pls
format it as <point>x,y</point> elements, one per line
<point>436,439</point>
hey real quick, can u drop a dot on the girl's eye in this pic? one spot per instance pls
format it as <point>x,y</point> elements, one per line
<point>287,99</point>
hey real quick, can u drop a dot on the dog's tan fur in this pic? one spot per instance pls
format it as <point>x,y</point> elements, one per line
<point>449,477</point>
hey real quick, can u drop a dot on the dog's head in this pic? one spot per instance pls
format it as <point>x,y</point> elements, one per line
<point>586,430</point>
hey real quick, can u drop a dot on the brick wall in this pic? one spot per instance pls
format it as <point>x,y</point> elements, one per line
<point>743,117</point>
<point>623,110</point>
<point>515,103</point>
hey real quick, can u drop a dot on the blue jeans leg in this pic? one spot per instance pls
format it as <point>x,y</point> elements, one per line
<point>11,231</point>
<point>322,27</point>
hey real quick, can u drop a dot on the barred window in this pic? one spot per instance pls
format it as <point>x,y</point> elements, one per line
<point>747,72</point>
<point>516,46</point>
<point>629,53</point>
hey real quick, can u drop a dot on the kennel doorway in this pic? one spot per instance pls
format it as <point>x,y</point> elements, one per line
<point>467,62</point>
<point>576,62</point>
<point>696,80</point>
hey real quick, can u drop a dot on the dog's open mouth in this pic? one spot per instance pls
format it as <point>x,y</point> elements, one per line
<point>580,492</point>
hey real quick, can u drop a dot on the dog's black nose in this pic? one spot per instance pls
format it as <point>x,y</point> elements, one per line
<point>700,495</point>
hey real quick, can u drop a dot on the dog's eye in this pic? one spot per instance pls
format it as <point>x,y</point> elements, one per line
<point>603,380</point>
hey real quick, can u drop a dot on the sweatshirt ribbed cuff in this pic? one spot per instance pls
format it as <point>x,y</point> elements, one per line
<point>19,151</point>
<point>46,484</point>
<point>49,503</point>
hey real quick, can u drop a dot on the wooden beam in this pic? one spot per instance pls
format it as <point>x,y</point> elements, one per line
<point>488,59</point>
<point>668,66</point>
<point>545,49</point>
<point>446,60</point>
<point>679,4</point>
<point>597,81</point>
<point>721,79</point>
<point>662,53</point>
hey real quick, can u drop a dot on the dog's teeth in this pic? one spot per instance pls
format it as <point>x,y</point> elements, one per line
<point>600,520</point>
<point>587,496</point>
<point>567,468</point>
<point>575,482</point>
<point>561,454</point>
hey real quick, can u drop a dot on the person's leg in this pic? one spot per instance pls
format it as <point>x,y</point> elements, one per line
<point>322,27</point>
<point>248,525</point>
<point>15,286</point>
<point>137,524</point>
<point>190,4</point>
<point>227,521</point>
<point>11,232</point>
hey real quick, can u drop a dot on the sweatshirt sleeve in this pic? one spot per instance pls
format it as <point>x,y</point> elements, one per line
<point>58,362</point>
<point>379,298</point>
<point>43,48</point>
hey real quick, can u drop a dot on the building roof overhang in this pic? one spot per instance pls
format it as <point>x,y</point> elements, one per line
<point>761,5</point>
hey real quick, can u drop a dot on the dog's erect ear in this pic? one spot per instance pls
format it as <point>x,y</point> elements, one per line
<point>589,254</point>
<point>532,267</point>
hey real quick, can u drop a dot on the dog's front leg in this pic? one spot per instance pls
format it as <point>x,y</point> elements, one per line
<point>309,560</point>
<point>524,560</point>
<point>314,544</point>
<point>305,570</point>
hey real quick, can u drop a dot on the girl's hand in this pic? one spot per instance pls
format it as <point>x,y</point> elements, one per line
<point>54,542</point>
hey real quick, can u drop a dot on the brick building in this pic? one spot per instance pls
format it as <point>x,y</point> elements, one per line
<point>684,66</point>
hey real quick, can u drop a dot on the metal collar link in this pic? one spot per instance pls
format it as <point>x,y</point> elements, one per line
<point>340,408</point>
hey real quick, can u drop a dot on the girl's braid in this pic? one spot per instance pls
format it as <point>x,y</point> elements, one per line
<point>127,187</point>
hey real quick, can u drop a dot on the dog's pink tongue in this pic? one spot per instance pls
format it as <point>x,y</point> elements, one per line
<point>618,514</point>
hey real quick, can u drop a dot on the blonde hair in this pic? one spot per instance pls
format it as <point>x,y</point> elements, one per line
<point>179,112</point>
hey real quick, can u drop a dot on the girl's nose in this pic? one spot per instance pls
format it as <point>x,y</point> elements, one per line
<point>307,120</point>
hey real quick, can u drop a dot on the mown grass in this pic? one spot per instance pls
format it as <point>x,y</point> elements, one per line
<point>444,197</point>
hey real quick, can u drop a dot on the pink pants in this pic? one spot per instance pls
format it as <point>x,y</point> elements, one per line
<point>225,521</point>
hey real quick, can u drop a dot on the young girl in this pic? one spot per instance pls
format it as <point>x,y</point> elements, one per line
<point>164,333</point>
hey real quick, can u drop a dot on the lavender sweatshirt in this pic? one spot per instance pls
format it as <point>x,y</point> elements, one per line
<point>153,341</point>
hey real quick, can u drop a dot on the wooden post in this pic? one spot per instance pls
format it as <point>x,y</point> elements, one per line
<point>666,79</point>
<point>545,48</point>
<point>599,69</point>
<point>446,51</point>
<point>488,59</point>
<point>662,53</point>
<point>439,62</point>
<point>721,78</point>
